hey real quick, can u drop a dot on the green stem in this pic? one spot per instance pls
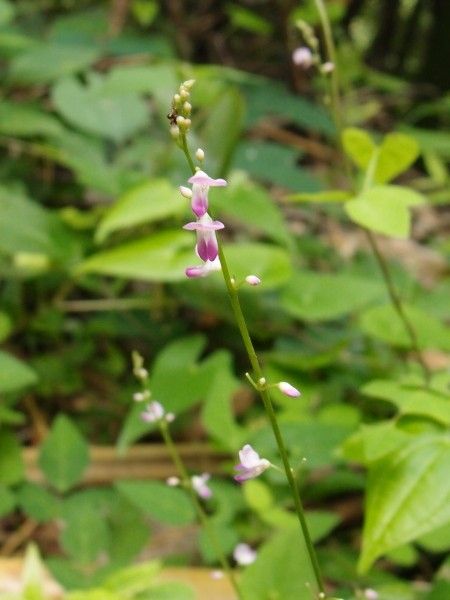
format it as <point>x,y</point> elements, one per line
<point>187,154</point>
<point>265,397</point>
<point>202,516</point>
<point>336,107</point>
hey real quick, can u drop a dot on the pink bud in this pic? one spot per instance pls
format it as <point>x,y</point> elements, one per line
<point>288,389</point>
<point>253,280</point>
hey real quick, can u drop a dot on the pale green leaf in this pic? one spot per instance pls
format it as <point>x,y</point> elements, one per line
<point>14,374</point>
<point>64,454</point>
<point>26,120</point>
<point>161,256</point>
<point>37,502</point>
<point>326,196</point>
<point>384,323</point>
<point>359,146</point>
<point>48,61</point>
<point>95,111</point>
<point>85,535</point>
<point>12,467</point>
<point>158,500</point>
<point>397,152</point>
<point>411,400</point>
<point>408,495</point>
<point>384,209</point>
<point>293,573</point>
<point>150,201</point>
<point>133,579</point>
<point>315,296</point>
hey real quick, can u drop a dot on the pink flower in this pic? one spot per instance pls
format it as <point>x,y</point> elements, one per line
<point>302,57</point>
<point>201,182</point>
<point>251,464</point>
<point>203,270</point>
<point>200,485</point>
<point>253,280</point>
<point>288,389</point>
<point>153,412</point>
<point>244,555</point>
<point>207,247</point>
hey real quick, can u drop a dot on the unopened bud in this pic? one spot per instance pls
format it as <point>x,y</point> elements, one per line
<point>185,191</point>
<point>253,280</point>
<point>187,123</point>
<point>170,417</point>
<point>176,98</point>
<point>187,107</point>
<point>327,67</point>
<point>262,381</point>
<point>184,94</point>
<point>188,83</point>
<point>175,132</point>
<point>302,57</point>
<point>199,154</point>
<point>173,481</point>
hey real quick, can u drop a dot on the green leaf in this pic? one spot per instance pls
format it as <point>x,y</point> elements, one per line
<point>171,590</point>
<point>226,117</point>
<point>48,61</point>
<point>7,12</point>
<point>27,120</point>
<point>408,495</point>
<point>359,146</point>
<point>7,499</point>
<point>326,196</point>
<point>292,576</point>
<point>150,201</point>
<point>411,400</point>
<point>64,454</point>
<point>217,413</point>
<point>158,500</point>
<point>85,535</point>
<point>244,18</point>
<point>384,209</point>
<point>133,580</point>
<point>249,203</point>
<point>37,502</point>
<point>129,531</point>
<point>398,151</point>
<point>95,111</point>
<point>437,540</point>
<point>14,374</point>
<point>372,442</point>
<point>383,323</point>
<point>271,263</point>
<point>12,467</point>
<point>159,257</point>
<point>316,296</point>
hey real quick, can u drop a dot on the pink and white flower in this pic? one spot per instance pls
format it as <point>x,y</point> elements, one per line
<point>201,182</point>
<point>302,57</point>
<point>200,485</point>
<point>203,270</point>
<point>244,555</point>
<point>207,247</point>
<point>155,412</point>
<point>251,465</point>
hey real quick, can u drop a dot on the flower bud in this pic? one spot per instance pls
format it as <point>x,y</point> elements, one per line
<point>173,481</point>
<point>188,83</point>
<point>185,192</point>
<point>187,107</point>
<point>175,132</point>
<point>288,389</point>
<point>327,67</point>
<point>199,154</point>
<point>253,280</point>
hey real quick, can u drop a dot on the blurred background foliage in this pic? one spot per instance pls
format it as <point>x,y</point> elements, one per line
<point>92,262</point>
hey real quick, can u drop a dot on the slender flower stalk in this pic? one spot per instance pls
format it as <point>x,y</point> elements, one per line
<point>265,396</point>
<point>336,107</point>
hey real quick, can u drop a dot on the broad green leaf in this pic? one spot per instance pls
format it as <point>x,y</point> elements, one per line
<point>150,201</point>
<point>383,322</point>
<point>161,256</point>
<point>384,209</point>
<point>7,499</point>
<point>159,80</point>
<point>158,500</point>
<point>225,117</point>
<point>133,579</point>
<point>249,20</point>
<point>431,139</point>
<point>37,502</point>
<point>249,203</point>
<point>12,467</point>
<point>271,263</point>
<point>27,120</point>
<point>145,11</point>
<point>290,580</point>
<point>129,531</point>
<point>14,374</point>
<point>372,442</point>
<point>359,146</point>
<point>85,535</point>
<point>397,152</point>
<point>89,108</point>
<point>64,454</point>
<point>171,590</point>
<point>217,412</point>
<point>315,296</point>
<point>408,495</point>
<point>28,229</point>
<point>274,163</point>
<point>411,400</point>
<point>327,196</point>
<point>437,540</point>
<point>48,61</point>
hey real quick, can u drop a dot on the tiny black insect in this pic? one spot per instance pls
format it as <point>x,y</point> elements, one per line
<point>172,116</point>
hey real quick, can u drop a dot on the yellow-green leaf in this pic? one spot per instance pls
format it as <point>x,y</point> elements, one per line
<point>358,145</point>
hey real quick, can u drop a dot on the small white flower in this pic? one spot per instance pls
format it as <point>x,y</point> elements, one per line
<point>370,594</point>
<point>251,464</point>
<point>173,481</point>
<point>302,57</point>
<point>244,555</point>
<point>217,574</point>
<point>153,412</point>
<point>253,280</point>
<point>200,485</point>
<point>327,67</point>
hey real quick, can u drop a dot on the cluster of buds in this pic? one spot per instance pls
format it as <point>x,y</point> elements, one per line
<point>308,55</point>
<point>207,248</point>
<point>180,114</point>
